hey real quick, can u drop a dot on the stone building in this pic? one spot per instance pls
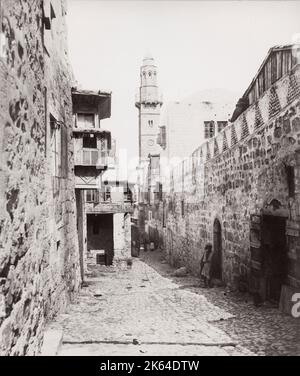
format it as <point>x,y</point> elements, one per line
<point>39,258</point>
<point>240,189</point>
<point>148,102</point>
<point>186,124</point>
<point>92,146</point>
<point>182,126</point>
<point>103,203</point>
<point>108,211</point>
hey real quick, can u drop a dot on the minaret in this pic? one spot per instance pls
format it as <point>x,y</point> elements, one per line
<point>148,103</point>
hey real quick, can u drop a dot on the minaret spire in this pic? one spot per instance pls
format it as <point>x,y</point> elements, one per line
<point>148,103</point>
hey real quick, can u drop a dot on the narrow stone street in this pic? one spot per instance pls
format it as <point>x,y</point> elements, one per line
<point>141,311</point>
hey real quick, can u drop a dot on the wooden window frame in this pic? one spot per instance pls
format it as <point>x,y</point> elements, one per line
<point>85,123</point>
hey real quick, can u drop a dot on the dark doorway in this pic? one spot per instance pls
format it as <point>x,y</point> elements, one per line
<point>100,235</point>
<point>274,257</point>
<point>216,266</point>
<point>135,241</point>
<point>89,142</point>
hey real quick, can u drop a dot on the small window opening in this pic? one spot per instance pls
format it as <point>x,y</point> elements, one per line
<point>90,142</point>
<point>290,171</point>
<point>209,129</point>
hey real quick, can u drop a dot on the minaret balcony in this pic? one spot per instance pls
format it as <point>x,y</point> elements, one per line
<point>150,99</point>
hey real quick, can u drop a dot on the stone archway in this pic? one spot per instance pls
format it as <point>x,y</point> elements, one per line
<point>216,267</point>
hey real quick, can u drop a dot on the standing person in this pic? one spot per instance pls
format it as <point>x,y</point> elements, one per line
<point>205,265</point>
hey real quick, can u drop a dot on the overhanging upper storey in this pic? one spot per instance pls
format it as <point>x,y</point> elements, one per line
<point>90,107</point>
<point>92,144</point>
<point>279,62</point>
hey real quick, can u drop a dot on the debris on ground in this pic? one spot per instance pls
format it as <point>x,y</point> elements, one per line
<point>181,272</point>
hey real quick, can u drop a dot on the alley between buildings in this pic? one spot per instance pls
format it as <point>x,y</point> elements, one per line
<point>95,206</point>
<point>144,310</point>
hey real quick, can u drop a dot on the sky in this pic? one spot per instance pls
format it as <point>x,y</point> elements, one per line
<point>196,45</point>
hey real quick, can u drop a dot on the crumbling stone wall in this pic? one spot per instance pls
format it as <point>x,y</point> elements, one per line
<point>39,263</point>
<point>236,177</point>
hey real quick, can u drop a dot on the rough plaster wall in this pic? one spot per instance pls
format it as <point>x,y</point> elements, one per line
<point>37,274</point>
<point>122,236</point>
<point>119,236</point>
<point>231,184</point>
<point>184,123</point>
<point>127,235</point>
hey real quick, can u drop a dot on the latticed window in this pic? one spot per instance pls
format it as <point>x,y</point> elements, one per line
<point>209,129</point>
<point>92,195</point>
<point>104,144</point>
<point>221,125</point>
<point>107,193</point>
<point>90,157</point>
<point>86,120</point>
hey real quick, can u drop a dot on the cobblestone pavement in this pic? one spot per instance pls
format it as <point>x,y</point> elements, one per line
<point>146,311</point>
<point>139,312</point>
<point>262,330</point>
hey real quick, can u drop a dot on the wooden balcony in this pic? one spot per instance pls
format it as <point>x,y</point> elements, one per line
<point>108,207</point>
<point>100,202</point>
<point>91,157</point>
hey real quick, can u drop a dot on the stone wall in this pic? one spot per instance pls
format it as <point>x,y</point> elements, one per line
<point>81,231</point>
<point>122,236</point>
<point>39,262</point>
<point>237,177</point>
<point>208,105</point>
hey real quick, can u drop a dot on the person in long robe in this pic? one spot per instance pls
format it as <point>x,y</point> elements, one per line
<point>206,264</point>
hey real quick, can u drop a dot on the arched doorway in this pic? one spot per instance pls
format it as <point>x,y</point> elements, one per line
<point>216,267</point>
